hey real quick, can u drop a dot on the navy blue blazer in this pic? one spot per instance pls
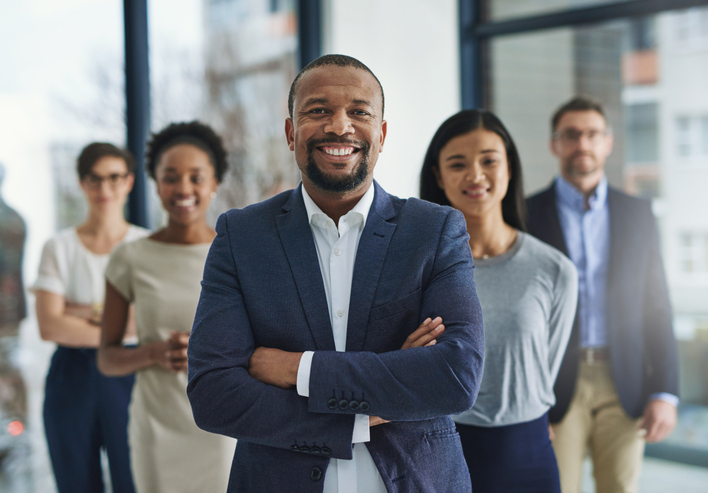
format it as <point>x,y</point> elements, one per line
<point>643,352</point>
<point>262,286</point>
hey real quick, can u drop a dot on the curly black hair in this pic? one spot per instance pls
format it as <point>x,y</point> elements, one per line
<point>195,133</point>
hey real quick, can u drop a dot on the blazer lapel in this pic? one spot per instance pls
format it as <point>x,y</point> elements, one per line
<point>299,245</point>
<point>370,256</point>
<point>549,228</point>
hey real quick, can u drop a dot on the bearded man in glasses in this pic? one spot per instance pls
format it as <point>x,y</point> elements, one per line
<point>618,384</point>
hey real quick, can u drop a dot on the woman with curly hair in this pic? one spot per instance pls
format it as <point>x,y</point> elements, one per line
<point>161,275</point>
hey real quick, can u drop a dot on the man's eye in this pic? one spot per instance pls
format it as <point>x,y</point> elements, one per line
<point>197,179</point>
<point>317,111</point>
<point>361,112</point>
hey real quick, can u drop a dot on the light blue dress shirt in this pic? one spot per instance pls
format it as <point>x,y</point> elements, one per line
<point>587,236</point>
<point>586,231</point>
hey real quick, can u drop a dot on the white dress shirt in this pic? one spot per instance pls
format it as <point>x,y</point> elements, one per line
<point>337,245</point>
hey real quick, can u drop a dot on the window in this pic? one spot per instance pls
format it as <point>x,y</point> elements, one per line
<point>683,136</point>
<point>692,136</point>
<point>641,130</point>
<point>694,253</point>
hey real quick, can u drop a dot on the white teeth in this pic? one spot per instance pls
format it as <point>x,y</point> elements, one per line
<point>339,151</point>
<point>185,203</point>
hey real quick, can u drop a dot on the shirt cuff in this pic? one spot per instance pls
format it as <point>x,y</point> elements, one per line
<point>303,374</point>
<point>666,397</point>
<point>361,428</point>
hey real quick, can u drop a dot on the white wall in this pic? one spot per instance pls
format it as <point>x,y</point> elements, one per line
<point>412,47</point>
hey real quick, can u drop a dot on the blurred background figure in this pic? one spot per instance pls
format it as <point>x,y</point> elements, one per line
<point>528,293</point>
<point>84,411</point>
<point>13,395</point>
<point>161,274</point>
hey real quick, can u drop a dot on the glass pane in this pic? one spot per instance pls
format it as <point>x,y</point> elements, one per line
<point>506,9</point>
<point>651,75</point>
<point>61,87</point>
<point>228,63</point>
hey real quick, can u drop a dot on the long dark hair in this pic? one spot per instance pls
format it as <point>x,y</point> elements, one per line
<point>513,203</point>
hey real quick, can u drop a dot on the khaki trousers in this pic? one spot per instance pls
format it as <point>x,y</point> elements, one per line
<point>596,422</point>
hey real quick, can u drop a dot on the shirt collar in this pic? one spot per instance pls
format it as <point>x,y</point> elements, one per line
<point>360,210</point>
<point>571,197</point>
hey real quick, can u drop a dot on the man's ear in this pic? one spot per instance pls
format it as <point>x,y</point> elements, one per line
<point>290,133</point>
<point>384,129</point>
<point>552,146</point>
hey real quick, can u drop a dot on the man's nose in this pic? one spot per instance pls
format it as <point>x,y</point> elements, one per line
<point>339,124</point>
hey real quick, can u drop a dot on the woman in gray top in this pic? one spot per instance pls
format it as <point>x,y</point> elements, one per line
<point>528,292</point>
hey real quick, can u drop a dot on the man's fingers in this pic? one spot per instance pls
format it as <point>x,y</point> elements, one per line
<point>428,331</point>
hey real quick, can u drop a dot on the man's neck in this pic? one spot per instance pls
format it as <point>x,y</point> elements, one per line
<point>586,184</point>
<point>335,205</point>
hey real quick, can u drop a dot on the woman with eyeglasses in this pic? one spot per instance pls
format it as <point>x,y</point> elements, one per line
<point>161,275</point>
<point>528,292</point>
<point>84,411</point>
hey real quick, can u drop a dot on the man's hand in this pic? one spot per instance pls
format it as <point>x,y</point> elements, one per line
<point>375,420</point>
<point>426,334</point>
<point>274,367</point>
<point>659,420</point>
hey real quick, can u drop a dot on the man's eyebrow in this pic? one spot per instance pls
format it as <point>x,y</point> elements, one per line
<point>312,101</point>
<point>363,102</point>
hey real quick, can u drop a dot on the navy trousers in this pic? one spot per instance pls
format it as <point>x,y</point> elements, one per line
<point>84,412</point>
<point>517,458</point>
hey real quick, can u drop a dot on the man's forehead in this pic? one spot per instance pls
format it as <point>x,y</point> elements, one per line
<point>584,118</point>
<point>357,82</point>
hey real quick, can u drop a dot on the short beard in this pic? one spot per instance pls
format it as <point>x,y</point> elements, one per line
<point>329,183</point>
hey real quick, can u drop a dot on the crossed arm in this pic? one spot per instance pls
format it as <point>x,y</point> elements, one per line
<point>418,383</point>
<point>279,368</point>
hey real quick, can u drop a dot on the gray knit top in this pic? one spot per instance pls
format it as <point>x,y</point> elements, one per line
<point>528,296</point>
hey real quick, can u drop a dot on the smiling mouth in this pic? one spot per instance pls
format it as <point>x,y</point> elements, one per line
<point>338,151</point>
<point>185,203</point>
<point>475,193</point>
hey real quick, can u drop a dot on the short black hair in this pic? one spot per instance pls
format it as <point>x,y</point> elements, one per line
<point>513,203</point>
<point>194,133</point>
<point>578,103</point>
<point>94,151</point>
<point>338,60</point>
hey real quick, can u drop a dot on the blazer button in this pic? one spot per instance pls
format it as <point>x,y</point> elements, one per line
<point>364,406</point>
<point>316,474</point>
<point>353,405</point>
<point>332,403</point>
<point>294,448</point>
<point>305,449</point>
<point>314,450</point>
<point>343,404</point>
<point>325,451</point>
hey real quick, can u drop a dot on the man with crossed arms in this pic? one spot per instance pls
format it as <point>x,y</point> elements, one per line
<point>313,343</point>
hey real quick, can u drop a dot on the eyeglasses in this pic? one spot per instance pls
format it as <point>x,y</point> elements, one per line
<point>95,181</point>
<point>572,136</point>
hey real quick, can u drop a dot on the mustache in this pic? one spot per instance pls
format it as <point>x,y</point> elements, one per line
<point>312,143</point>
